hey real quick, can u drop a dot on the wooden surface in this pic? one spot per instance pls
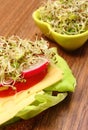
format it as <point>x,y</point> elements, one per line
<point>72,113</point>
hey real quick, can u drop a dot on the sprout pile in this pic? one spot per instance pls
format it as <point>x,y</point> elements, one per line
<point>68,17</point>
<point>17,55</point>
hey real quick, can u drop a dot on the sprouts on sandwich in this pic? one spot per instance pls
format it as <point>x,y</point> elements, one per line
<point>17,55</point>
<point>66,16</point>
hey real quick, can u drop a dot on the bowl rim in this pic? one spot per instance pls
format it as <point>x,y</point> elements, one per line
<point>35,16</point>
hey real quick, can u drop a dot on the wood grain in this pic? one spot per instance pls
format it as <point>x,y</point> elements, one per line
<point>72,113</point>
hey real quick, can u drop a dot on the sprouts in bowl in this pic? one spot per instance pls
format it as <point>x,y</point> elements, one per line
<point>64,21</point>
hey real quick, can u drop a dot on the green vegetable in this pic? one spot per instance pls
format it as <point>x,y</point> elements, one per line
<point>60,14</point>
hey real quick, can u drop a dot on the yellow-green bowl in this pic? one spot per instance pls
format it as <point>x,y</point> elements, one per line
<point>68,42</point>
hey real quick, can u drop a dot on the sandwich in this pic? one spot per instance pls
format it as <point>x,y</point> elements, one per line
<point>33,78</point>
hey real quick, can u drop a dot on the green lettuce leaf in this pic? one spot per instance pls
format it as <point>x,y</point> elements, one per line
<point>42,102</point>
<point>68,82</point>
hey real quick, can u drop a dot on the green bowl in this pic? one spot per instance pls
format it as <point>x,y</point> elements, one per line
<point>68,42</point>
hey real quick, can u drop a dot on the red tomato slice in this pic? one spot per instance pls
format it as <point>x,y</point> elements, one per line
<point>32,77</point>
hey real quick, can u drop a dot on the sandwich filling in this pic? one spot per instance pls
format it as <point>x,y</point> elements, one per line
<point>23,63</point>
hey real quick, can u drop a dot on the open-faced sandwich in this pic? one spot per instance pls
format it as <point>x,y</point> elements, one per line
<point>30,73</point>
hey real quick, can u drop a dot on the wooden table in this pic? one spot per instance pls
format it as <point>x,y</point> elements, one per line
<point>72,113</point>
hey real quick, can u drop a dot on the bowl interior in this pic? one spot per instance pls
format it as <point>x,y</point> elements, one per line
<point>69,42</point>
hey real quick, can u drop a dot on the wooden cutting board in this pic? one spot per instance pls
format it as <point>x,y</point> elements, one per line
<point>72,113</point>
